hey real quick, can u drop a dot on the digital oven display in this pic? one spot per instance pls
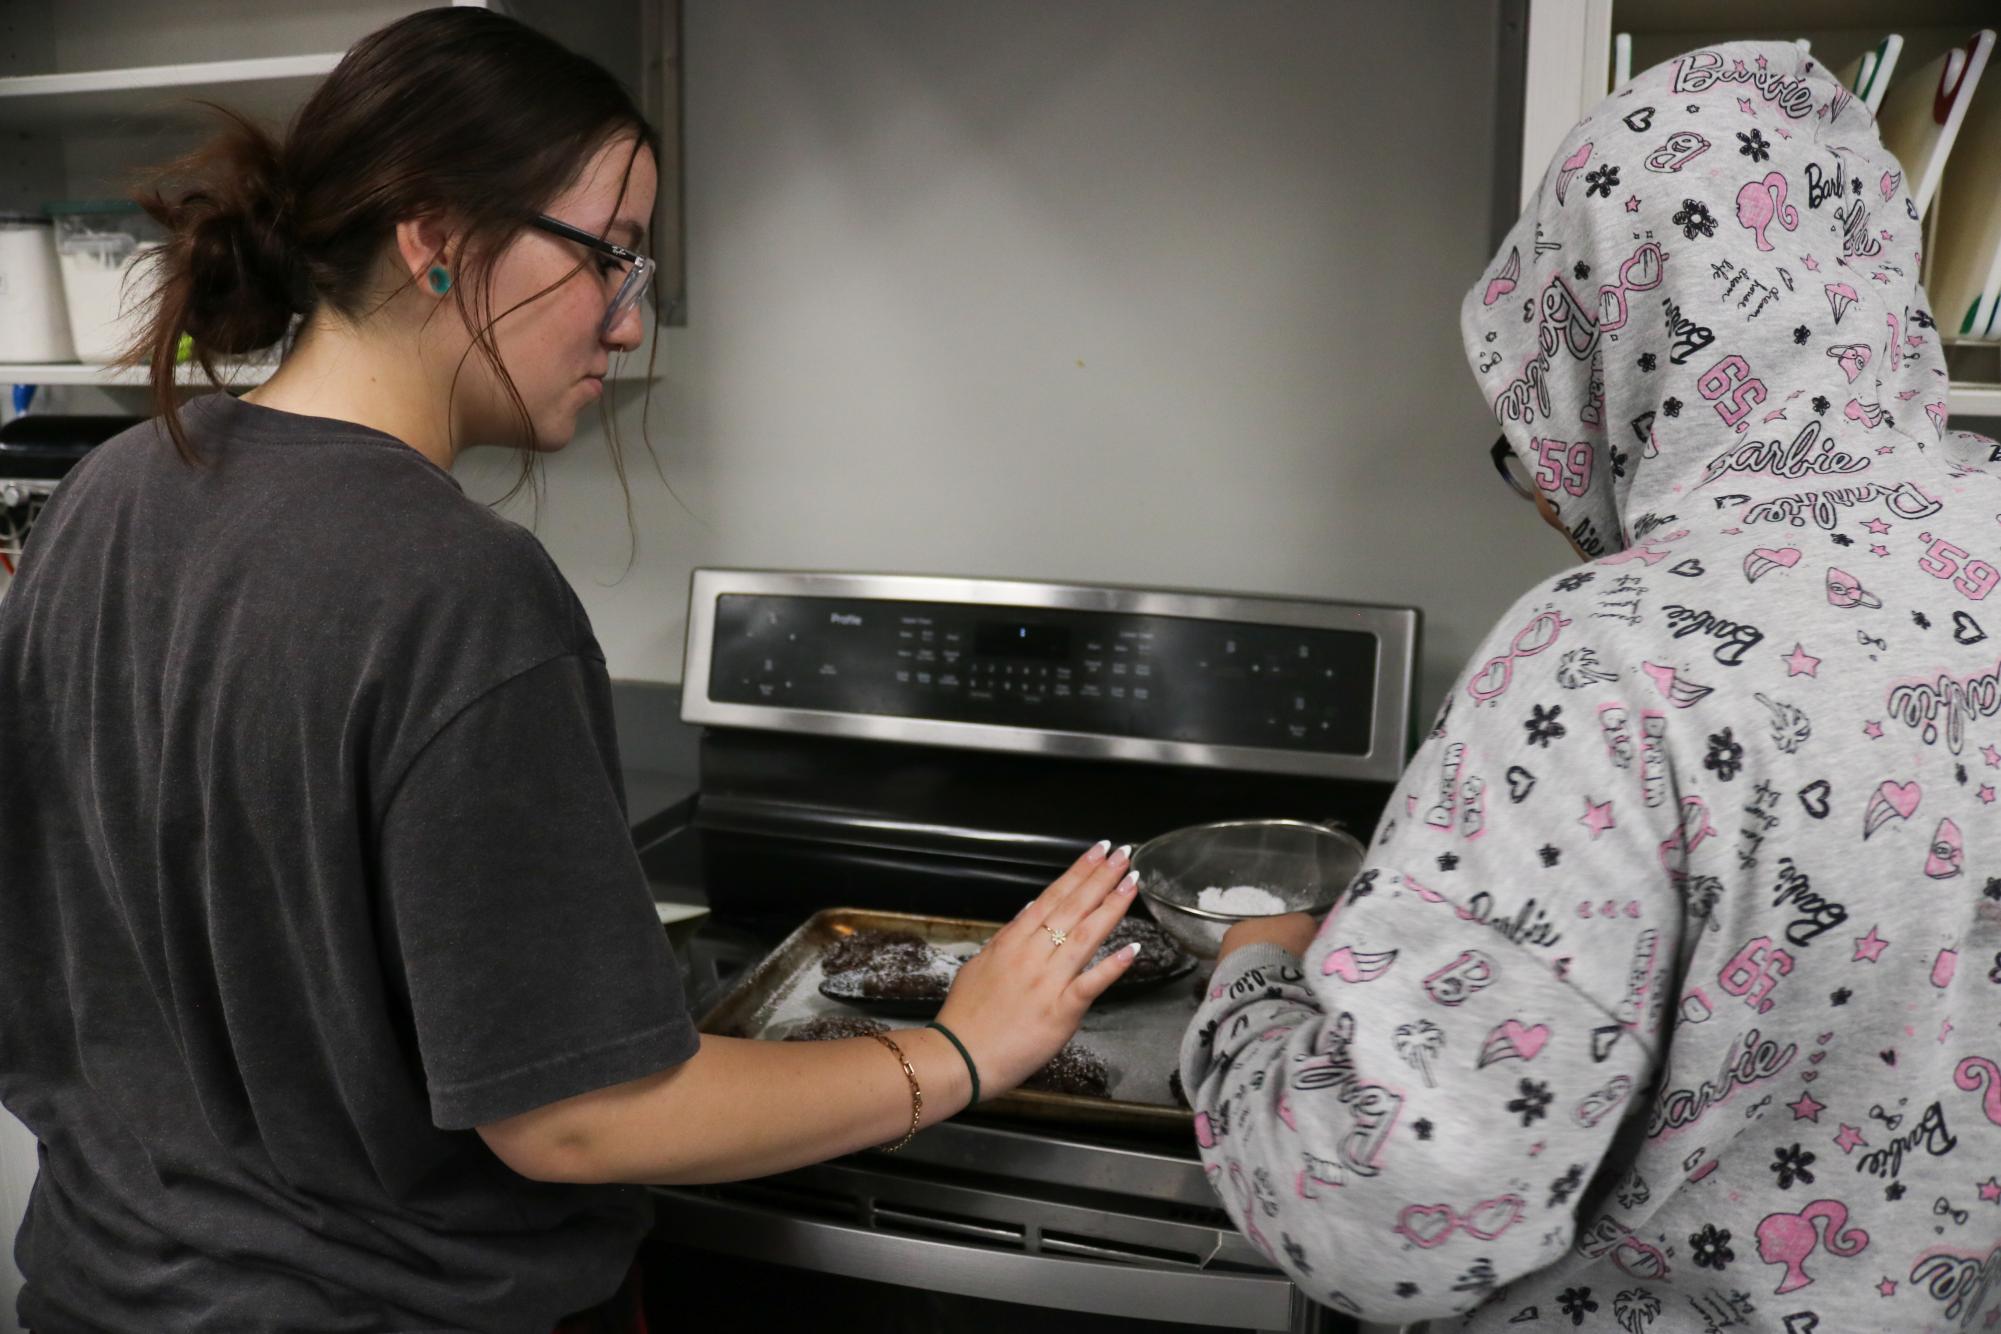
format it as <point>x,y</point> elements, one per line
<point>1168,678</point>
<point>1020,639</point>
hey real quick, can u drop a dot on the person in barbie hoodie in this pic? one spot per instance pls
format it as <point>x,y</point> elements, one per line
<point>1666,997</point>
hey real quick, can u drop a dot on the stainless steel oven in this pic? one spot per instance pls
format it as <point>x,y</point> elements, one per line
<point>946,745</point>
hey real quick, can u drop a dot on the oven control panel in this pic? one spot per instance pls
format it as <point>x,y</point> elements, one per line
<point>1170,677</point>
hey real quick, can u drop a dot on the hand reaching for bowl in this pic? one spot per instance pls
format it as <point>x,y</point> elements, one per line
<point>1291,932</point>
<point>1018,1000</point>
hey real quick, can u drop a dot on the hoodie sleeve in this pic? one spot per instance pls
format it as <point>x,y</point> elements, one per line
<point>1406,1118</point>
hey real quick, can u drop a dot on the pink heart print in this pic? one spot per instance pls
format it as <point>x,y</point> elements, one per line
<point>1514,1038</point>
<point>1504,282</point>
<point>1764,560</point>
<point>1902,796</point>
<point>1898,799</point>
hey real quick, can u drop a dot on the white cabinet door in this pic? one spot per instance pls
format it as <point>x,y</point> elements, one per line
<point>17,1178</point>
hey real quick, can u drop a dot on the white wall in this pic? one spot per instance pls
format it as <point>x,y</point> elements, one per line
<point>1159,292</point>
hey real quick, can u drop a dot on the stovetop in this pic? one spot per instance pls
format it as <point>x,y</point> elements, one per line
<point>948,747</point>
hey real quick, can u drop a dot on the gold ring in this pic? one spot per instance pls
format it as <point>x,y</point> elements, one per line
<point>1056,937</point>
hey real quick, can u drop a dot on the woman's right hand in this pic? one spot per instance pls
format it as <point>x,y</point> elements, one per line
<point>1016,1002</point>
<point>716,1117</point>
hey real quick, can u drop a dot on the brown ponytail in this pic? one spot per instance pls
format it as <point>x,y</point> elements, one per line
<point>228,276</point>
<point>455,110</point>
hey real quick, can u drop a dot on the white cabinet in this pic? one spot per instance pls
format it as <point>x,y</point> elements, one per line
<point>91,90</point>
<point>17,1178</point>
<point>1570,67</point>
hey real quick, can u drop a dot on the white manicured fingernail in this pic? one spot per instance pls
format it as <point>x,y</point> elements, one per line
<point>1130,950</point>
<point>1125,851</point>
<point>1130,883</point>
<point>1099,849</point>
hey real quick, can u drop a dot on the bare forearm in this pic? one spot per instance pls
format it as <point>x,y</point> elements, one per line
<point>738,1109</point>
<point>743,1109</point>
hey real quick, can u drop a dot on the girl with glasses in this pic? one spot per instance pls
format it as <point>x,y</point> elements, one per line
<point>330,982</point>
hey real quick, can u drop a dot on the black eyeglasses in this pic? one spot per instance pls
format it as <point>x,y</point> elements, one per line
<point>1513,471</point>
<point>638,270</point>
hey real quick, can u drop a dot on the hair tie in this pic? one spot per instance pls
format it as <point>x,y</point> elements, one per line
<point>965,1055</point>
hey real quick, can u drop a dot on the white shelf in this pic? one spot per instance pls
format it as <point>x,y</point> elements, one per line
<point>71,373</point>
<point>1569,50</point>
<point>1974,400</point>
<point>268,89</point>
<point>1704,19</point>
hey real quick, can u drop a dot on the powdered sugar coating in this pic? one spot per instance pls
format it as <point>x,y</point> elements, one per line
<point>1240,901</point>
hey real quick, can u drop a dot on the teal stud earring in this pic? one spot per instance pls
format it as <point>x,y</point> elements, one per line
<point>440,279</point>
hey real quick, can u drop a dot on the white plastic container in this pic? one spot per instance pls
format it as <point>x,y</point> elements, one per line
<point>100,246</point>
<point>34,324</point>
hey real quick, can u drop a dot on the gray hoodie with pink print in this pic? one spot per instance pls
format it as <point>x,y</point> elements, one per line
<point>1669,996</point>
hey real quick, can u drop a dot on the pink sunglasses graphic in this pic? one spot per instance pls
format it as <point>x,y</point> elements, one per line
<point>1428,1225</point>
<point>1641,273</point>
<point>1491,681</point>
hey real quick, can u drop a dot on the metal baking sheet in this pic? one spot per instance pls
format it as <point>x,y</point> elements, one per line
<point>1137,1036</point>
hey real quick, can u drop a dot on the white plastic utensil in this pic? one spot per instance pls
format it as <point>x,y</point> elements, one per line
<point>1966,250</point>
<point>1868,75</point>
<point>1922,113</point>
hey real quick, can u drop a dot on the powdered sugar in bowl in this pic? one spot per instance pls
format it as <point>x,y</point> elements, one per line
<point>1201,880</point>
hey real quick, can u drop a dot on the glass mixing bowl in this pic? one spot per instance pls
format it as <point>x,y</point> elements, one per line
<point>1303,867</point>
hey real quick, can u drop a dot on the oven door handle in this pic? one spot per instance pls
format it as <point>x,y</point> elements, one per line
<point>968,1269</point>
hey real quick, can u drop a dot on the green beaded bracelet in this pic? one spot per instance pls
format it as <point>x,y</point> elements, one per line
<point>971,1069</point>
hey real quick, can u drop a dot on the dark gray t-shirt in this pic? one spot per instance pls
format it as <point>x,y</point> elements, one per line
<point>313,855</point>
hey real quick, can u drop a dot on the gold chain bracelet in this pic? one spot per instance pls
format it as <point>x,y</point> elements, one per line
<point>916,1093</point>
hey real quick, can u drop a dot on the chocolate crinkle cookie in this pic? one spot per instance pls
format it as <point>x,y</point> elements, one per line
<point>887,966</point>
<point>870,946</point>
<point>1074,1069</point>
<point>1158,953</point>
<point>830,1026</point>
